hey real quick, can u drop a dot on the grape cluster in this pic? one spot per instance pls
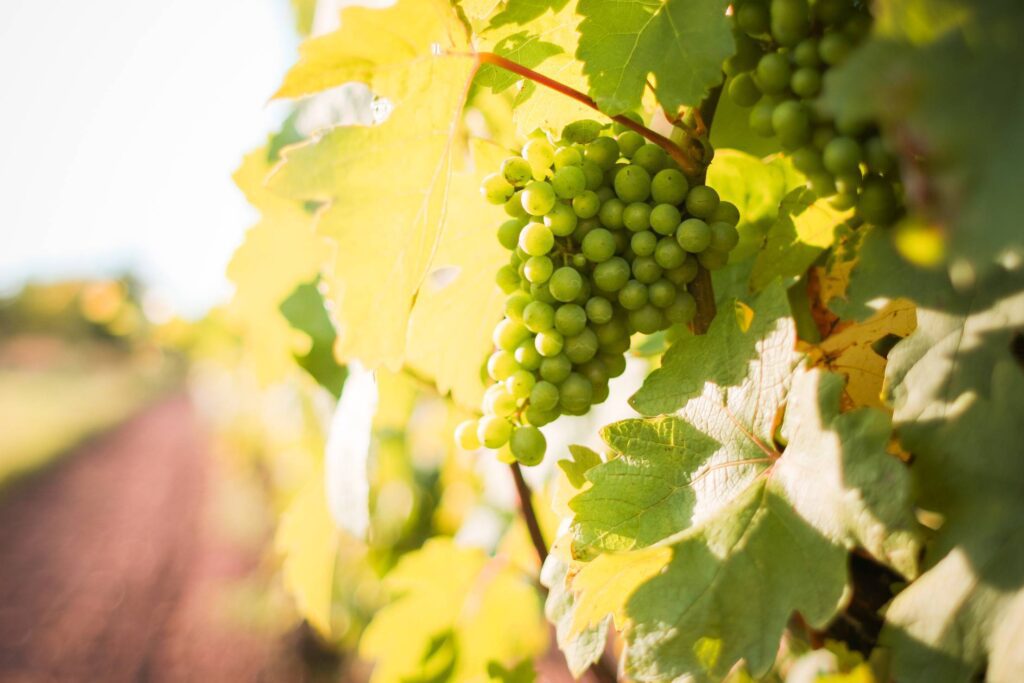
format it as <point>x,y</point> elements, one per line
<point>605,234</point>
<point>784,48</point>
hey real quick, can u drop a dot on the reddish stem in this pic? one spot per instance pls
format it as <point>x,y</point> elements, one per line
<point>529,514</point>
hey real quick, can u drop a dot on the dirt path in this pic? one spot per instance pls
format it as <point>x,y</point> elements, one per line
<point>108,574</point>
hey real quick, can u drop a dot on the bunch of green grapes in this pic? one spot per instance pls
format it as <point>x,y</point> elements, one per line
<point>784,48</point>
<point>605,235</point>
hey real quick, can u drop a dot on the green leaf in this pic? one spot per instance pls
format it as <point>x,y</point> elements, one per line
<point>581,460</point>
<point>304,310</point>
<point>777,545</point>
<point>580,649</point>
<point>804,228</point>
<point>680,43</point>
<point>525,11</point>
<point>921,94</point>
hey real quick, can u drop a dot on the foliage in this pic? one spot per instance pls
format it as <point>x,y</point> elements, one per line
<point>829,472</point>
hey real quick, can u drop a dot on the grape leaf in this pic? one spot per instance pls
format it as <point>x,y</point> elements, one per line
<point>728,584</point>
<point>383,217</point>
<point>449,334</point>
<point>283,236</point>
<point>304,310</point>
<point>583,648</point>
<point>480,610</point>
<point>525,11</point>
<point>581,460</point>
<point>804,228</point>
<point>348,451</point>
<point>682,44</point>
<point>921,94</point>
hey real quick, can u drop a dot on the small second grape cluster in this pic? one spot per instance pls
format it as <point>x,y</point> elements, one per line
<point>605,234</point>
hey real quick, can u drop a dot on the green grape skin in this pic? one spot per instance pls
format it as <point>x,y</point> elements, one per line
<point>693,235</point>
<point>600,394</point>
<point>568,156</point>
<point>849,183</point>
<point>603,152</point>
<point>501,365</point>
<point>752,18</point>
<point>633,295</point>
<point>595,371</point>
<point>822,135</point>
<point>582,131</point>
<point>620,345</point>
<point>493,431</point>
<point>538,317</point>
<point>661,293</point>
<point>878,203</point>
<point>790,21</point>
<point>792,124</point>
<point>549,343</point>
<point>583,228</point>
<point>569,182</point>
<point>806,82</point>
<point>540,292</point>
<point>515,304</point>
<point>496,189</point>
<point>561,220</point>
<point>582,347</point>
<point>743,90</point>
<point>611,334</point>
<point>748,51</point>
<point>540,155</point>
<point>760,119</point>
<point>629,142</point>
<point>669,186</point>
<point>647,319</point>
<point>643,243</point>
<point>566,284</point>
<point>598,246</point>
<point>637,216</point>
<point>843,201</point>
<point>466,435</point>
<point>517,171</point>
<point>832,12</point>
<point>526,355</point>
<point>507,279</point>
<point>772,73</point>
<point>712,259</point>
<point>519,384</point>
<point>508,334</point>
<point>822,184</point>
<point>570,319</point>
<point>514,206</point>
<point>632,184</point>
<point>724,237</point>
<point>528,445</point>
<point>508,233</point>
<point>833,48</point>
<point>586,204</point>
<point>668,254</point>
<point>878,157</point>
<point>598,310</point>
<point>805,54</point>
<point>841,155</point>
<point>701,201</point>
<point>538,198</point>
<point>575,394</point>
<point>651,158</point>
<point>857,27</point>
<point>604,193</point>
<point>807,160</point>
<point>615,365</point>
<point>538,418</point>
<point>579,261</point>
<point>684,274</point>
<point>611,212</point>
<point>611,275</point>
<point>646,269</point>
<point>555,369</point>
<point>538,269</point>
<point>544,395</point>
<point>682,310</point>
<point>665,219</point>
<point>726,213</point>
<point>621,238</point>
<point>594,174</point>
<point>536,239</point>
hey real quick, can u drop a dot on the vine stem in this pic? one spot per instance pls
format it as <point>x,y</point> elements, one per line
<point>687,163</point>
<point>529,514</point>
<point>701,288</point>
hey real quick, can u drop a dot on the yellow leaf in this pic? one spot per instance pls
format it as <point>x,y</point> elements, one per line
<point>279,253</point>
<point>604,585</point>
<point>385,185</point>
<point>308,541</point>
<point>849,352</point>
<point>449,335</point>
<point>485,610</point>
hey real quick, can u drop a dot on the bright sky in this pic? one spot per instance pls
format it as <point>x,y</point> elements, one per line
<point>121,122</point>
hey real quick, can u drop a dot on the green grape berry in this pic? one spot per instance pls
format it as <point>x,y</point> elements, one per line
<point>669,186</point>
<point>629,142</point>
<point>603,152</point>
<point>540,154</point>
<point>637,216</point>
<point>586,204</point>
<point>841,155</point>
<point>743,90</point>
<point>466,435</point>
<point>643,243</point>
<point>632,184</point>
<point>598,246</point>
<point>665,219</point>
<point>566,284</point>
<point>599,310</point>
<point>538,269</point>
<point>527,444</point>
<point>538,317</point>
<point>772,73</point>
<point>493,431</point>
<point>561,220</point>
<point>693,235</point>
<point>544,395</point>
<point>536,239</point>
<point>538,198</point>
<point>570,319</point>
<point>752,17</point>
<point>555,369</point>
<point>651,158</point>
<point>569,181</point>
<point>724,237</point>
<point>496,189</point>
<point>726,213</point>
<point>520,383</point>
<point>567,156</point>
<point>517,171</point>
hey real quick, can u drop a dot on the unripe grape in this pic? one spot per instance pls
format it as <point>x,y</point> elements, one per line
<point>570,319</point>
<point>499,402</point>
<point>833,48</point>
<point>643,243</point>
<point>633,295</point>
<point>669,186</point>
<point>760,118</point>
<point>661,293</point>
<point>538,198</point>
<point>508,233</point>
<point>496,189</point>
<point>565,284</point>
<point>841,155</point>
<point>790,21</point>
<point>598,309</point>
<point>594,174</point>
<point>507,279</point>
<point>582,347</point>
<point>600,394</point>
<point>528,445</point>
<point>569,182</point>
<point>595,371</point>
<point>843,200</point>
<point>586,204</point>
<point>726,213</point>
<point>611,275</point>
<point>693,235</point>
<point>579,261</point>
<point>555,369</point>
<point>633,184</point>
<point>540,292</point>
<point>582,131</point>
<point>724,237</point>
<point>515,303</point>
<point>878,156</point>
<point>807,160</point>
<point>544,395</point>
<point>806,53</point>
<point>514,206</point>
<point>567,156</point>
<point>527,356</point>
<point>466,437</point>
<point>646,269</point>
<point>668,254</point>
<point>611,212</point>
<point>822,184</point>
<point>538,317</point>
<point>540,154</point>
<point>752,17</point>
<point>598,246</point>
<point>650,157</point>
<point>806,82</point>
<point>508,334</point>
<point>583,228</point>
<point>665,219</point>
<point>517,171</point>
<point>615,364</point>
<point>637,216</point>
<point>772,73</point>
<point>561,220</point>
<point>549,343</point>
<point>493,432</point>
<point>603,151</point>
<point>684,274</point>
<point>575,394</point>
<point>536,239</point>
<point>792,124</point>
<point>519,384</point>
<point>849,183</point>
<point>743,90</point>
<point>682,310</point>
<point>712,259</point>
<point>832,12</point>
<point>538,269</point>
<point>629,142</point>
<point>501,365</point>
<point>647,319</point>
<point>878,203</point>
